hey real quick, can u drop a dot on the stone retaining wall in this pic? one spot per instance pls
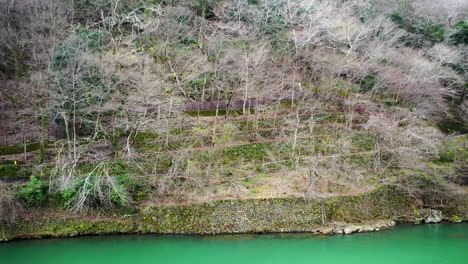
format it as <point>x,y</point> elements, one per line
<point>368,212</point>
<point>275,215</point>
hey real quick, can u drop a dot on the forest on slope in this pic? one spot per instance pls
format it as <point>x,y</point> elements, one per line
<point>114,104</point>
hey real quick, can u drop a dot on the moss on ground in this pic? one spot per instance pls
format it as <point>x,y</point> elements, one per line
<point>18,148</point>
<point>454,149</point>
<point>15,171</point>
<point>144,136</point>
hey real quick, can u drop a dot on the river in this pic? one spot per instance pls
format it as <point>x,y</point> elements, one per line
<point>425,244</point>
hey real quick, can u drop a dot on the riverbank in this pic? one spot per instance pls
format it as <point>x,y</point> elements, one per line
<point>373,211</point>
<point>405,244</point>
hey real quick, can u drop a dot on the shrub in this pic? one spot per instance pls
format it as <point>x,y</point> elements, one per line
<point>14,171</point>
<point>275,20</point>
<point>421,26</point>
<point>65,196</point>
<point>80,41</point>
<point>397,18</point>
<point>454,149</point>
<point>8,170</point>
<point>282,45</point>
<point>95,40</point>
<point>204,8</point>
<point>368,82</point>
<point>34,192</point>
<point>429,29</point>
<point>461,33</point>
<point>12,61</point>
<point>95,190</point>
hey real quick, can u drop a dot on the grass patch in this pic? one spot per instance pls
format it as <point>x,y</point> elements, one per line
<point>442,163</point>
<point>454,149</point>
<point>14,171</point>
<point>250,152</point>
<point>147,136</point>
<point>262,175</point>
<point>18,148</point>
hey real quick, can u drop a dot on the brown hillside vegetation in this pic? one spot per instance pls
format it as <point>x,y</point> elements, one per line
<point>114,104</point>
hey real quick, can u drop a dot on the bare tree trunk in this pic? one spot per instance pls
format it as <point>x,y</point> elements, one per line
<point>214,125</point>
<point>296,130</point>
<point>323,211</point>
<point>246,87</point>
<point>25,147</point>
<point>43,138</point>
<point>167,123</point>
<point>244,106</point>
<point>276,114</point>
<point>177,79</point>
<point>74,130</point>
<point>67,133</point>
<point>292,98</point>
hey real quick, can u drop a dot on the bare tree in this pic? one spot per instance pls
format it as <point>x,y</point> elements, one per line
<point>10,208</point>
<point>447,11</point>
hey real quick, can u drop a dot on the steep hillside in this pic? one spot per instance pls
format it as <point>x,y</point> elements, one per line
<point>110,106</point>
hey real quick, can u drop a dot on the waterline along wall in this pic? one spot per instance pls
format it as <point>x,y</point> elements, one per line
<point>368,212</point>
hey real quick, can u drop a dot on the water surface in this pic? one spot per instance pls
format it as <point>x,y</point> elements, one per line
<point>441,243</point>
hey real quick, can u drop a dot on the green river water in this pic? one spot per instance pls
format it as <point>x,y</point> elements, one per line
<point>439,243</point>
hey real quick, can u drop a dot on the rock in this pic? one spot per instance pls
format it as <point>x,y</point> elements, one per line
<point>366,228</point>
<point>350,229</point>
<point>433,216</point>
<point>455,219</point>
<point>347,230</point>
<point>325,231</point>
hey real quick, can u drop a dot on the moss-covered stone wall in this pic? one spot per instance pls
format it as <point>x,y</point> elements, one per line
<point>64,227</point>
<point>227,216</point>
<point>275,215</point>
